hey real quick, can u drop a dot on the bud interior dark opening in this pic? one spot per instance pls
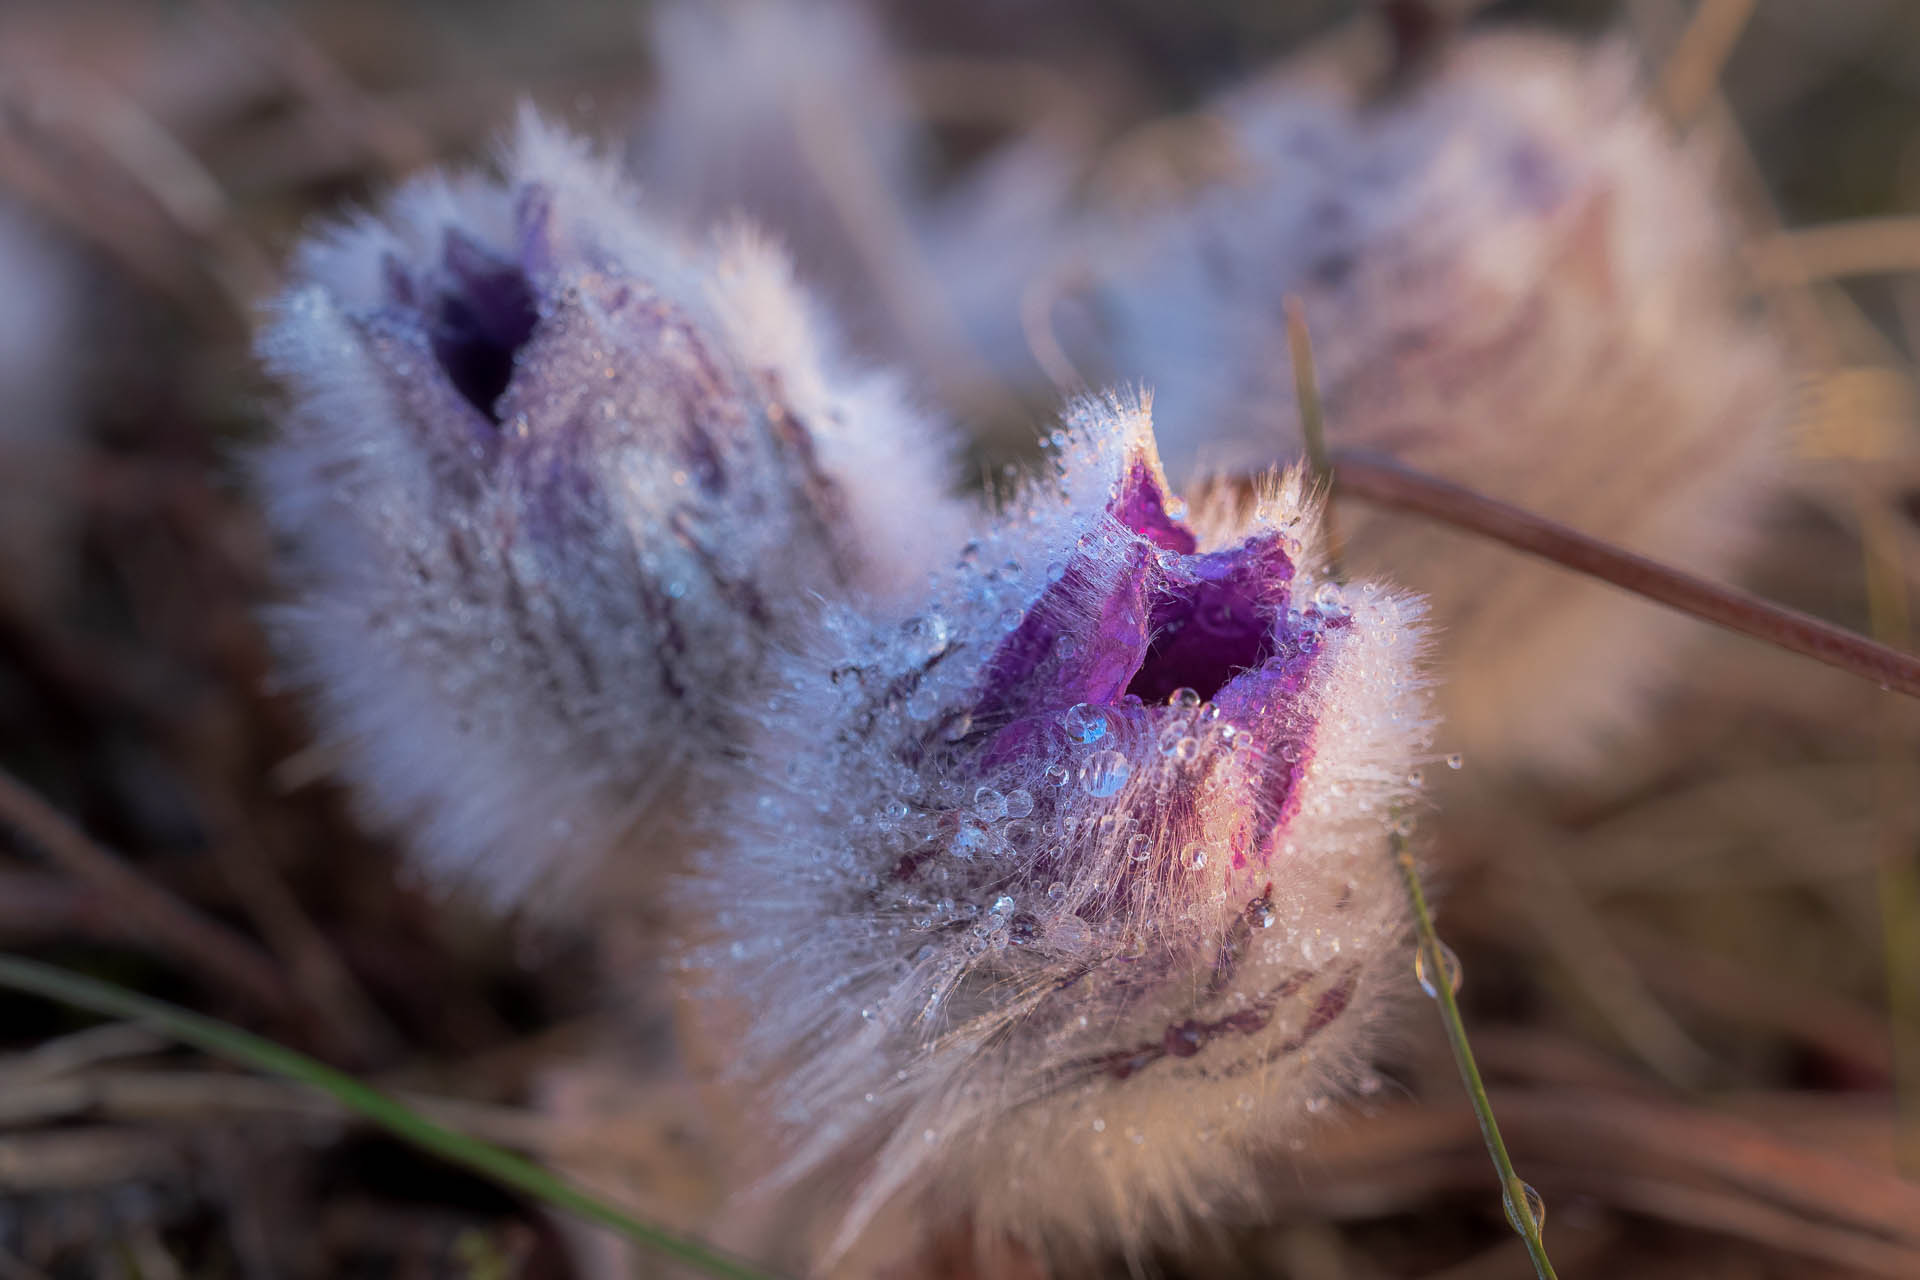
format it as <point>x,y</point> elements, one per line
<point>483,314</point>
<point>1206,631</point>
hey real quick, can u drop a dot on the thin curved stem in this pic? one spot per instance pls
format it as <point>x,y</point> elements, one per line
<point>1385,483</point>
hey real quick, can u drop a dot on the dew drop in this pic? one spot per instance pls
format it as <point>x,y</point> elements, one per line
<point>1009,619</point>
<point>1056,571</point>
<point>989,804</point>
<point>972,841</point>
<point>1019,803</point>
<point>1104,773</point>
<point>1184,749</point>
<point>1448,961</point>
<point>1085,723</point>
<point>1317,1104</point>
<point>1056,891</point>
<point>1403,825</point>
<point>1057,775</point>
<point>1184,698</point>
<point>1416,779</point>
<point>1455,760</point>
<point>1194,855</point>
<point>1018,833</point>
<point>1536,1207</point>
<point>1140,848</point>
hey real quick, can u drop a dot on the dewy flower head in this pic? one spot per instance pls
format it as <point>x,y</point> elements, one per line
<point>1518,278</point>
<point>553,482</point>
<point>1070,894</point>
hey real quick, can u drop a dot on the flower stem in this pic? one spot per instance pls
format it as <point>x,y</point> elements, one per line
<point>1515,1192</point>
<point>1387,483</point>
<point>1435,959</point>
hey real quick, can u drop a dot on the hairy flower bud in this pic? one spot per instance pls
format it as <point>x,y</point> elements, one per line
<point>553,483</point>
<point>1083,867</point>
<point>1517,278</point>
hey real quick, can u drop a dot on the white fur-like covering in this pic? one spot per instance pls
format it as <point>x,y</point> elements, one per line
<point>954,970</point>
<point>521,619</point>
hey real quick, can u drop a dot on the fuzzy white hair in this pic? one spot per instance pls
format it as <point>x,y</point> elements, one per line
<point>552,480</point>
<point>949,950</point>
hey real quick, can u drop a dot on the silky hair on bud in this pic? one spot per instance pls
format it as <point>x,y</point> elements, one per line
<point>552,480</point>
<point>1081,866</point>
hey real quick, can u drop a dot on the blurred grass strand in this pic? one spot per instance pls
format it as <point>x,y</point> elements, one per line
<point>247,1050</point>
<point>1691,75</point>
<point>1897,881</point>
<point>1437,960</point>
<point>1442,967</point>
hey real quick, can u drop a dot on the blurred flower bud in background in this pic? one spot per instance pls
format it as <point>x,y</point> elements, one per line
<point>1084,866</point>
<point>553,484</point>
<point>1516,278</point>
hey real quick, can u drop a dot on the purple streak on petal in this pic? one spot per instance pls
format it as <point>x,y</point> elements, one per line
<point>1142,507</point>
<point>397,284</point>
<point>1027,678</point>
<point>462,443</point>
<point>533,227</point>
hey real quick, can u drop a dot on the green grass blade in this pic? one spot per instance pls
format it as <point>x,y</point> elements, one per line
<point>245,1049</point>
<point>1513,1191</point>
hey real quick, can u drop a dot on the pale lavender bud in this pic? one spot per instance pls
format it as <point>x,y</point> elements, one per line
<point>1083,868</point>
<point>1516,277</point>
<point>553,483</point>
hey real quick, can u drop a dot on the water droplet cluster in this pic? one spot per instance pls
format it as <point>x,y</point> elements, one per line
<point>1126,910</point>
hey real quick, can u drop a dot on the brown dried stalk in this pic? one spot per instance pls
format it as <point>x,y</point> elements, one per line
<point>217,953</point>
<point>1385,483</point>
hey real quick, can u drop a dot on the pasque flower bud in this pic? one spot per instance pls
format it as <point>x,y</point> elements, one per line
<point>1516,278</point>
<point>552,483</point>
<point>1066,897</point>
